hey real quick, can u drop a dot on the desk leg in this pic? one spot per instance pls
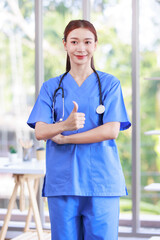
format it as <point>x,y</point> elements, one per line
<point>8,215</point>
<point>22,198</point>
<point>28,219</point>
<point>33,202</point>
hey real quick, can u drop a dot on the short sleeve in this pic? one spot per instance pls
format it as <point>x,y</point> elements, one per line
<point>115,107</point>
<point>42,110</point>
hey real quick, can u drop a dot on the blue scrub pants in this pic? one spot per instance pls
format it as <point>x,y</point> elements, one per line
<point>84,218</point>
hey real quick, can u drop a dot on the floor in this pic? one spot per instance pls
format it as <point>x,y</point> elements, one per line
<point>123,238</point>
<point>12,234</point>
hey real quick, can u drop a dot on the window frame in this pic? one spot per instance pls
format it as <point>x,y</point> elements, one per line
<point>135,228</point>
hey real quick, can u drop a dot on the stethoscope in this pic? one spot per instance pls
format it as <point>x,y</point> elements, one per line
<point>100,109</point>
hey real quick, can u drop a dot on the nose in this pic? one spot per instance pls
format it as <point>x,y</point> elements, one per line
<point>81,47</point>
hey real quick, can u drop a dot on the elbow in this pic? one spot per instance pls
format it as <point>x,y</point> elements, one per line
<point>112,135</point>
<point>38,136</point>
<point>112,130</point>
<point>115,132</point>
<point>115,135</point>
<point>38,133</point>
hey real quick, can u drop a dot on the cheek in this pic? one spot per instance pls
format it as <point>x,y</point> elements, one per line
<point>70,50</point>
<point>69,53</point>
<point>91,50</point>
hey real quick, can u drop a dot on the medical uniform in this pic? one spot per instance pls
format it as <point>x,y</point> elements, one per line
<point>89,173</point>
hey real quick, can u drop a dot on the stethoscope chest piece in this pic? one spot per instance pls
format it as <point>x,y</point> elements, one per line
<point>100,109</point>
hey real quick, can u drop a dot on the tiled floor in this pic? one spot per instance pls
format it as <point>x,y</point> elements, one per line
<point>120,238</point>
<point>153,238</point>
<point>123,238</point>
<point>127,238</point>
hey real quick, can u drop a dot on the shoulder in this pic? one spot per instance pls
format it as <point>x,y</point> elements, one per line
<point>51,84</point>
<point>108,80</point>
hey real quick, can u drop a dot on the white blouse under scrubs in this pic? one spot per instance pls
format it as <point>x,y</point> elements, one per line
<point>82,169</point>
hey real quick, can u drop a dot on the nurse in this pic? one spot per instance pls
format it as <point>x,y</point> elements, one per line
<point>84,178</point>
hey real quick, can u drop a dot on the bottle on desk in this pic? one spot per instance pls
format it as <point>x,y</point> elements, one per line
<point>40,154</point>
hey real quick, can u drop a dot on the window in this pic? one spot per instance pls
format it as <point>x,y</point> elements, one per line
<point>113,55</point>
<point>17,86</point>
<point>150,107</point>
<point>113,21</point>
<point>56,16</point>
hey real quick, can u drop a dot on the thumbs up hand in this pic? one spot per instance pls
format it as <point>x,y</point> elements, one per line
<point>75,120</point>
<point>75,109</point>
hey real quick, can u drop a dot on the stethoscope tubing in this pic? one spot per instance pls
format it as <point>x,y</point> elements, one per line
<point>101,106</point>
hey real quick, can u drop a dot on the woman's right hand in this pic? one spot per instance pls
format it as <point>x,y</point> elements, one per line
<point>75,120</point>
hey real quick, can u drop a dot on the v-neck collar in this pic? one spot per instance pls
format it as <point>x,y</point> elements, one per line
<point>75,85</point>
<point>89,83</point>
<point>83,81</point>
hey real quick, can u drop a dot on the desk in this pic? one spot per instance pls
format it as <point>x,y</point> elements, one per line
<point>24,172</point>
<point>152,132</point>
<point>153,187</point>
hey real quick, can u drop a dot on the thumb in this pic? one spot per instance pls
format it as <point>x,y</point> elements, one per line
<point>75,109</point>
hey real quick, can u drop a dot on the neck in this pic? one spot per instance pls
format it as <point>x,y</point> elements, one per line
<point>80,73</point>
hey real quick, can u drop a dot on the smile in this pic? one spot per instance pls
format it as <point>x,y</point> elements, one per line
<point>80,56</point>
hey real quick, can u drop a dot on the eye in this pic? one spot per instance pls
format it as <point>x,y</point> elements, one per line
<point>88,42</point>
<point>74,42</point>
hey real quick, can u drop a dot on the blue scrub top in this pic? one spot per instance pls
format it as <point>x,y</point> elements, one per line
<point>82,169</point>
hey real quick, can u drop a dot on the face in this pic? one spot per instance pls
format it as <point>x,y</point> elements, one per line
<point>80,46</point>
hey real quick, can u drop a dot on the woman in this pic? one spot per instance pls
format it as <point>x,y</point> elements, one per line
<point>84,178</point>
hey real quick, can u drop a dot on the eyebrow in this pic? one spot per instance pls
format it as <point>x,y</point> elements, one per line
<point>78,38</point>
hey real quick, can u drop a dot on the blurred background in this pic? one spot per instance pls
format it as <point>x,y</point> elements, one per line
<point>113,20</point>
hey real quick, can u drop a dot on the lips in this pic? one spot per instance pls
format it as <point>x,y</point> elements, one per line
<point>80,56</point>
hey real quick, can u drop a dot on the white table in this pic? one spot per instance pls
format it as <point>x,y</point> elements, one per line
<point>24,172</point>
<point>152,132</point>
<point>153,187</point>
<point>20,167</point>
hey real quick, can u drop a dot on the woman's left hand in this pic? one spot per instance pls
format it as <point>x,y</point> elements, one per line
<point>59,139</point>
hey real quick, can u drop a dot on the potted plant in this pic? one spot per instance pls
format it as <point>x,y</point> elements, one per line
<point>12,154</point>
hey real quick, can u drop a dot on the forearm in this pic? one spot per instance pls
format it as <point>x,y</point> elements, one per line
<point>44,131</point>
<point>104,132</point>
<point>76,120</point>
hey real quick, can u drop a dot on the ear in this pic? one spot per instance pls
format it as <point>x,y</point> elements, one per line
<point>95,46</point>
<point>65,45</point>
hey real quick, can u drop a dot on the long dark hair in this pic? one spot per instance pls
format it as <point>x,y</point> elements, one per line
<point>79,24</point>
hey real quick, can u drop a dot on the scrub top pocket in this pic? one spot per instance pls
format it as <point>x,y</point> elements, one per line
<point>59,165</point>
<point>106,172</point>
